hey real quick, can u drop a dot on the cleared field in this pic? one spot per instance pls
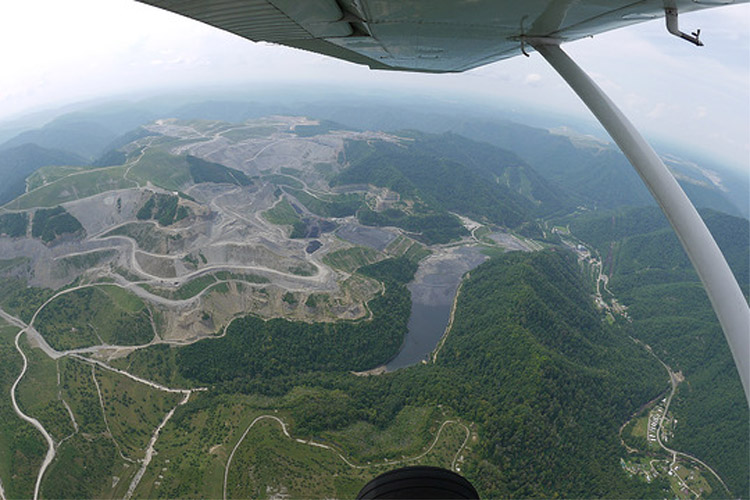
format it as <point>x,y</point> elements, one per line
<point>268,463</point>
<point>350,259</point>
<point>281,214</point>
<point>22,447</point>
<point>45,175</point>
<point>37,394</point>
<point>95,315</point>
<point>162,169</point>
<point>405,436</point>
<point>133,410</point>
<point>74,187</point>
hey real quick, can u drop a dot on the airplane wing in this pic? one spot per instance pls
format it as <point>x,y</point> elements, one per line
<point>436,36</point>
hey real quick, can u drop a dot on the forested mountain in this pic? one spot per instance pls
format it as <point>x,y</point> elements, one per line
<point>594,173</point>
<point>19,162</point>
<point>643,249</point>
<point>550,382</point>
<point>528,359</point>
<point>651,274</point>
<point>449,172</point>
<point>86,139</point>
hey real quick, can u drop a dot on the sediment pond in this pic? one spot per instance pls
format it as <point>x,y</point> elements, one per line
<point>432,292</point>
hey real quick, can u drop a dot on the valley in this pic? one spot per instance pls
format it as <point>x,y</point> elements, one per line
<point>195,304</point>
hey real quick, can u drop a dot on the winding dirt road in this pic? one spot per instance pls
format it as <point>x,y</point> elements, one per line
<point>387,463</point>
<point>50,443</point>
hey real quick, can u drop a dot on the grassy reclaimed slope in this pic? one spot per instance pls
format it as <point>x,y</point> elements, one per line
<point>22,447</point>
<point>281,214</point>
<point>206,171</point>
<point>133,410</point>
<point>349,259</point>
<point>91,316</point>
<point>670,311</point>
<point>85,463</point>
<point>161,168</point>
<point>19,299</point>
<point>37,393</point>
<point>342,205</point>
<point>73,187</point>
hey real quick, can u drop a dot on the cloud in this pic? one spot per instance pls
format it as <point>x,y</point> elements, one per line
<point>532,78</point>
<point>657,111</point>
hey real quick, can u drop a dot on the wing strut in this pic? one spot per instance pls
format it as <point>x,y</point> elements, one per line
<point>726,297</point>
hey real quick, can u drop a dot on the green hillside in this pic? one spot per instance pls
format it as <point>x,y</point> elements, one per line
<point>206,171</point>
<point>652,276</point>
<point>435,179</point>
<point>17,163</point>
<point>528,360</point>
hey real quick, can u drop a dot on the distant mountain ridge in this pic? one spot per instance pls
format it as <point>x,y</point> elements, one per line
<point>456,174</point>
<point>19,162</point>
<point>596,175</point>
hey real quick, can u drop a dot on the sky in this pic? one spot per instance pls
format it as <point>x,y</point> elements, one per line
<point>53,53</point>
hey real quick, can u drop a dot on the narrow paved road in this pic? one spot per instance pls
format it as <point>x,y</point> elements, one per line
<point>674,381</point>
<point>50,443</point>
<point>76,353</point>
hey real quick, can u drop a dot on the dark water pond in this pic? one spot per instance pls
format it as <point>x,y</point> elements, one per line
<point>432,293</point>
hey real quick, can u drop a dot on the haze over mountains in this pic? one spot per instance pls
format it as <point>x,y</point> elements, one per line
<point>208,293</point>
<point>585,169</point>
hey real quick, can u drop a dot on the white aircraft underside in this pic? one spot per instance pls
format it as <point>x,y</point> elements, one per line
<point>441,36</point>
<point>435,36</point>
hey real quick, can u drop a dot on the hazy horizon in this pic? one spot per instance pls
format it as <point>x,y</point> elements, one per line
<point>673,92</point>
